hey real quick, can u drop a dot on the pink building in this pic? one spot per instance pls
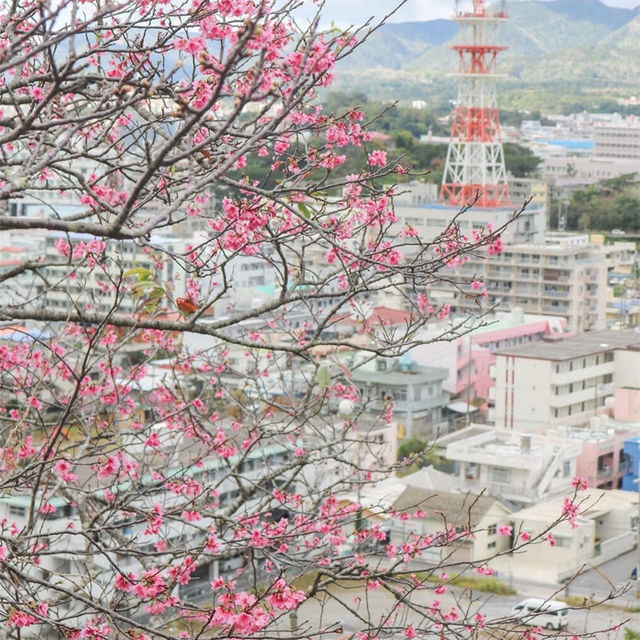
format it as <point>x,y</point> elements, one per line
<point>627,404</point>
<point>469,358</point>
<point>602,461</point>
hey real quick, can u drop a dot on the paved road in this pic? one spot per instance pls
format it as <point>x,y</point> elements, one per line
<point>616,571</point>
<point>376,606</point>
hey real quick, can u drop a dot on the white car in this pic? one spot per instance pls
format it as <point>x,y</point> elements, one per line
<point>536,612</point>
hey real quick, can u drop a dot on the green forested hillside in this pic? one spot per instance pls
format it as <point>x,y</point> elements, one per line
<point>569,47</point>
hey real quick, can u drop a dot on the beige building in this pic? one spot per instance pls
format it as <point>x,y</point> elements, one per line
<point>617,140</point>
<point>458,511</point>
<point>563,381</point>
<point>605,530</point>
<point>565,276</point>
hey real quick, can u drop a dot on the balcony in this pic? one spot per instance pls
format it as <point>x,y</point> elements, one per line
<point>578,374</point>
<point>561,295</point>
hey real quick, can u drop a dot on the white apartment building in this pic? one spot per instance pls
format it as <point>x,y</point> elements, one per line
<point>563,381</point>
<point>574,171</point>
<point>416,207</point>
<point>564,276</point>
<point>617,140</point>
<point>521,468</point>
<point>95,286</point>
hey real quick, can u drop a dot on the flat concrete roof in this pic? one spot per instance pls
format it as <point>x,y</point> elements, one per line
<point>415,375</point>
<point>584,344</point>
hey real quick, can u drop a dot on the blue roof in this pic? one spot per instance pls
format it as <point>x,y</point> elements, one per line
<point>578,145</point>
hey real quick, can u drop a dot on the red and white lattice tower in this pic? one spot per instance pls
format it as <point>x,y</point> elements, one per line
<point>474,171</point>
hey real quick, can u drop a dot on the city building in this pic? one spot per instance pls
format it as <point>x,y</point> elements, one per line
<point>564,381</point>
<point>606,527</point>
<point>563,276</point>
<point>415,392</point>
<point>600,458</point>
<point>95,287</point>
<point>434,512</point>
<point>620,140</point>
<point>520,468</point>
<point>431,220</point>
<point>470,356</point>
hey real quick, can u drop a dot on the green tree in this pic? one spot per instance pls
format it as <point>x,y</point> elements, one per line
<point>519,160</point>
<point>404,139</point>
<point>412,447</point>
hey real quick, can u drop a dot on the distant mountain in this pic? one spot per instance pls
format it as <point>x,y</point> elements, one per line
<point>594,11</point>
<point>578,42</point>
<point>394,44</point>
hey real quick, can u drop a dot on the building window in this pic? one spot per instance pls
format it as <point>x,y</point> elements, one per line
<point>566,468</point>
<point>491,545</point>
<point>17,511</point>
<point>492,529</point>
<point>500,474</point>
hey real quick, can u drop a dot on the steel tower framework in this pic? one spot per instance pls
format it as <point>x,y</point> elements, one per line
<point>474,170</point>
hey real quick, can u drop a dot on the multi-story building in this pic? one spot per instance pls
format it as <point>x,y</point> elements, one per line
<point>95,286</point>
<point>430,220</point>
<point>565,276</point>
<point>469,357</point>
<point>570,171</point>
<point>600,459</point>
<point>523,469</point>
<point>617,139</point>
<point>536,189</point>
<point>564,381</point>
<point>416,393</point>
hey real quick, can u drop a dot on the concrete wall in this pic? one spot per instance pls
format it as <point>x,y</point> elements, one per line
<point>542,562</point>
<point>627,368</point>
<point>522,395</point>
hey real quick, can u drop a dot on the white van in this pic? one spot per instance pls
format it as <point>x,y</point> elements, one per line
<point>536,612</point>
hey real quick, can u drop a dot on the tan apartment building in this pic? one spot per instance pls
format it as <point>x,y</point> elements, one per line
<point>565,276</point>
<point>617,140</point>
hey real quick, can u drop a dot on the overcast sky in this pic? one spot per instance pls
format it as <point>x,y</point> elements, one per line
<point>356,11</point>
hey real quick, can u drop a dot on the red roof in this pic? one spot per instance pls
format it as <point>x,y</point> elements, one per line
<point>386,315</point>
<point>12,249</point>
<point>382,315</point>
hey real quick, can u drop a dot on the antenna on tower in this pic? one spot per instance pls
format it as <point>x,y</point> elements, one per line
<point>478,8</point>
